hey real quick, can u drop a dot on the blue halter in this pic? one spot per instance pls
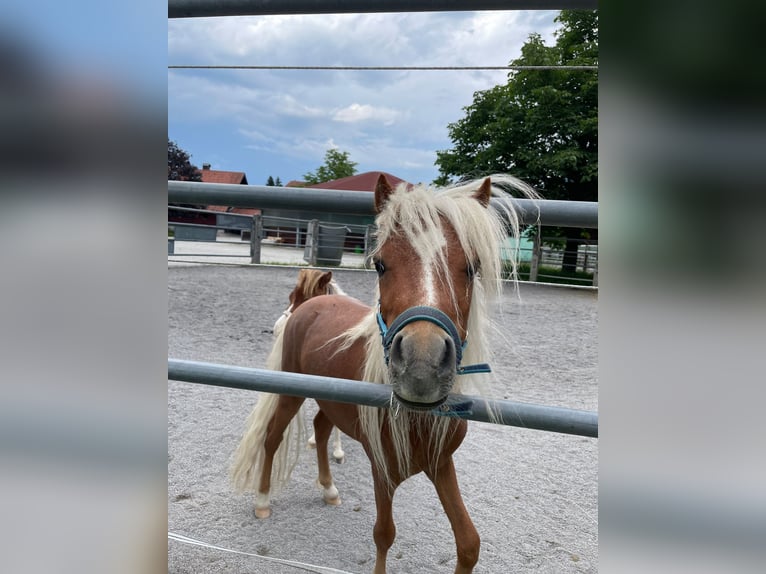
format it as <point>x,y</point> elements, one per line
<point>437,317</point>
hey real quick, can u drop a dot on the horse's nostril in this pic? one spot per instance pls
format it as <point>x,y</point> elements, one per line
<point>396,348</point>
<point>448,355</point>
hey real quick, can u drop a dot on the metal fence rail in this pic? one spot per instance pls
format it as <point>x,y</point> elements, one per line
<point>539,417</point>
<point>203,8</point>
<point>548,212</point>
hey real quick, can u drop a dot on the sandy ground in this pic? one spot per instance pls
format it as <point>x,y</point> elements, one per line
<point>532,494</point>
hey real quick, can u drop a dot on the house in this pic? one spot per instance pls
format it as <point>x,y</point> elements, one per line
<point>222,218</point>
<point>295,234</point>
<point>232,224</point>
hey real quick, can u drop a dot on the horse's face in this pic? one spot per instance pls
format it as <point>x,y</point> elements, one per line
<point>422,358</point>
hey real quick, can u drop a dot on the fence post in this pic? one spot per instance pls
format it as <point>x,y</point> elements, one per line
<point>312,242</point>
<point>585,258</point>
<point>256,230</point>
<point>595,273</point>
<point>368,245</point>
<point>536,251</point>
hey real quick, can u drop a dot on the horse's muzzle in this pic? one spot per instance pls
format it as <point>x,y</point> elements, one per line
<point>422,367</point>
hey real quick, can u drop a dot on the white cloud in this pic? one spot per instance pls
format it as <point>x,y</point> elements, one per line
<point>290,106</point>
<point>365,112</point>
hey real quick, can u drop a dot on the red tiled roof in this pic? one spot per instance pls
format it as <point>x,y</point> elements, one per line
<point>360,182</point>
<point>240,210</point>
<point>220,176</point>
<point>245,210</point>
<point>296,183</point>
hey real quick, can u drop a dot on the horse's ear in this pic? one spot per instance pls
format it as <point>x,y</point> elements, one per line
<point>484,193</point>
<point>382,192</point>
<point>324,279</point>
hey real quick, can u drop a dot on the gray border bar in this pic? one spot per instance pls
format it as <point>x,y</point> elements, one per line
<point>204,8</point>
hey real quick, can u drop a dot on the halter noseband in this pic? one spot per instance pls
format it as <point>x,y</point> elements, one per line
<point>437,317</point>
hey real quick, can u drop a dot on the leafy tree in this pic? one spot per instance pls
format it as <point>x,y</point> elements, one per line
<point>270,181</point>
<point>542,126</point>
<point>278,183</point>
<point>336,165</point>
<point>180,166</point>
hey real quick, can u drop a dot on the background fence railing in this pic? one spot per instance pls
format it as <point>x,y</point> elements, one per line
<point>325,243</point>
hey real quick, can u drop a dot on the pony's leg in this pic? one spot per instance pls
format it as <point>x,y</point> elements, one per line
<point>384,531</point>
<point>466,536</point>
<point>337,447</point>
<point>322,430</point>
<point>286,409</point>
<point>337,450</point>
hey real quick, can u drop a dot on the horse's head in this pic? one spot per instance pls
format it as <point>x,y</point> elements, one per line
<point>311,282</point>
<point>427,260</point>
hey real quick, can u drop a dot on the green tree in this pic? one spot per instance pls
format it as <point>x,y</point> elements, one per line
<point>278,182</point>
<point>541,126</point>
<point>180,166</point>
<point>270,181</point>
<point>336,165</point>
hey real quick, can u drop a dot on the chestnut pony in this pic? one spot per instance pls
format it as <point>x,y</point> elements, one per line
<point>438,261</point>
<point>311,283</point>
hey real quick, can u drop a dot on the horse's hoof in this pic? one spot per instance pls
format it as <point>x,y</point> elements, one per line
<point>330,494</point>
<point>339,457</point>
<point>262,512</point>
<point>312,442</point>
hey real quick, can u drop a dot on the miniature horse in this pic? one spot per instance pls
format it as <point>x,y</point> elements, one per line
<point>437,258</point>
<point>311,283</point>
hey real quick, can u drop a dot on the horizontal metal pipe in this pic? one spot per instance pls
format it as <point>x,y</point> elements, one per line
<point>553,212</point>
<point>202,8</point>
<point>539,417</point>
<point>548,212</point>
<point>207,211</point>
<point>210,254</point>
<point>182,224</point>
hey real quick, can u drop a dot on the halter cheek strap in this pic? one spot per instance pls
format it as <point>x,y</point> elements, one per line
<point>437,317</point>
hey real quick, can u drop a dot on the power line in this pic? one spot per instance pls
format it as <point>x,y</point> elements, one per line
<point>381,68</point>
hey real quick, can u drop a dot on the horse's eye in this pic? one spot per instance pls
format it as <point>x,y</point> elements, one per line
<point>379,267</point>
<point>471,271</point>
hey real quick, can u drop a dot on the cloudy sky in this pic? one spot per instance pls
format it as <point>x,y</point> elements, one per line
<point>281,123</point>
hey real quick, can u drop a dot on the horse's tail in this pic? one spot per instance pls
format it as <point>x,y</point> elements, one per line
<point>248,459</point>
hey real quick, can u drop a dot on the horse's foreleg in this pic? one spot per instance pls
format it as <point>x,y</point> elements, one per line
<point>385,530</point>
<point>322,430</point>
<point>466,536</point>
<point>285,411</point>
